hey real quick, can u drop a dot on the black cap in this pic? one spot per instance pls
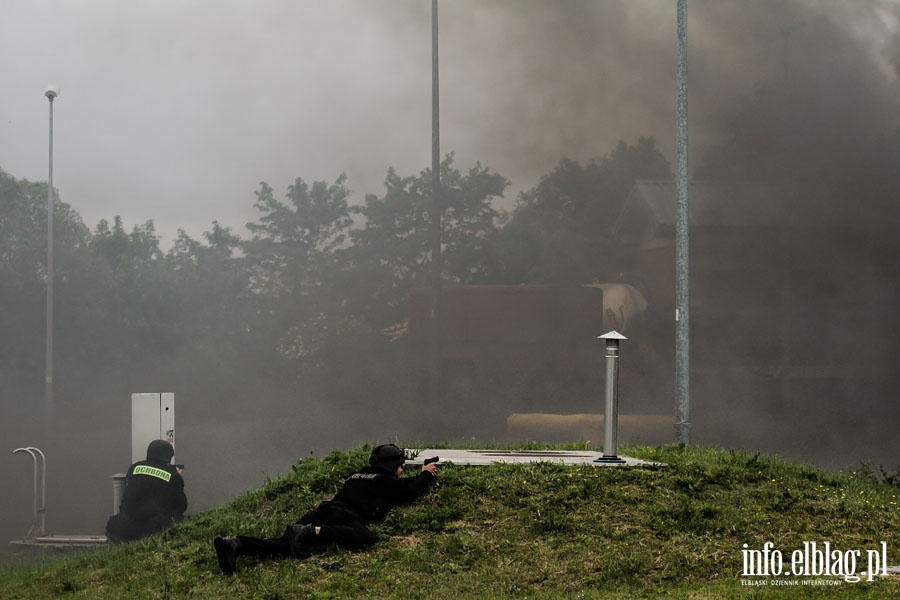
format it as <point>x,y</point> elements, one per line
<point>160,451</point>
<point>387,456</point>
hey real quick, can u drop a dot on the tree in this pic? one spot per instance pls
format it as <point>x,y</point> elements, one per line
<point>392,252</point>
<point>213,287</point>
<point>293,261</point>
<point>23,275</point>
<point>140,305</point>
<point>293,244</point>
<point>559,230</point>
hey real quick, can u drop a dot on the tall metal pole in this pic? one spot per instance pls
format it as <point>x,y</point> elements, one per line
<point>682,245</point>
<point>436,313</point>
<point>52,92</point>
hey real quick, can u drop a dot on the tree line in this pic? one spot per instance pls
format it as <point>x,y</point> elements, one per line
<point>295,312</point>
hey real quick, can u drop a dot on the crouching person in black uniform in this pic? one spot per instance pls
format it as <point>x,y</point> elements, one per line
<point>366,497</point>
<point>154,496</point>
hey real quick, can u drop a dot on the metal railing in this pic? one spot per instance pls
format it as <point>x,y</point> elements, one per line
<point>40,509</point>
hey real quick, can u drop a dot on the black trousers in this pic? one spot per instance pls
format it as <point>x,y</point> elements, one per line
<point>340,526</point>
<point>121,528</point>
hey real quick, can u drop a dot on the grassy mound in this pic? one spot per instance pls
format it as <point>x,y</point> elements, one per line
<point>535,531</point>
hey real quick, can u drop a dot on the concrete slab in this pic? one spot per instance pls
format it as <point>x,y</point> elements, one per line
<point>47,546</point>
<point>490,457</point>
<point>63,541</point>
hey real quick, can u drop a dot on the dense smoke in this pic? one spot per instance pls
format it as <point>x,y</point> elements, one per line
<point>572,78</point>
<point>800,94</point>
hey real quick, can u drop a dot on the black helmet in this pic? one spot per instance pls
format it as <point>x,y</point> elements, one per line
<point>160,451</point>
<point>387,456</point>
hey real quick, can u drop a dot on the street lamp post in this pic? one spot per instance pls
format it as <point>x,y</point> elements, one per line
<point>682,241</point>
<point>437,319</point>
<point>51,92</point>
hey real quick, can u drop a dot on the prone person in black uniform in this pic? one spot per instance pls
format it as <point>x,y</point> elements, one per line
<point>154,497</point>
<point>366,497</point>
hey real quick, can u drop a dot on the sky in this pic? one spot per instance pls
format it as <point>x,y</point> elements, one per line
<point>174,111</point>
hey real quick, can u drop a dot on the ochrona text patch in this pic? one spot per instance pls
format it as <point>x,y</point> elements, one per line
<point>152,472</point>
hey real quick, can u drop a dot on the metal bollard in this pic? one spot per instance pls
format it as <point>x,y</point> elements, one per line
<point>118,491</point>
<point>611,415</point>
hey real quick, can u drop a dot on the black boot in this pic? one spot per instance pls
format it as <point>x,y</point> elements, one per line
<point>227,552</point>
<point>300,538</point>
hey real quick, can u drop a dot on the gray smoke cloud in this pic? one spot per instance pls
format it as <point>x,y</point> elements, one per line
<point>174,111</point>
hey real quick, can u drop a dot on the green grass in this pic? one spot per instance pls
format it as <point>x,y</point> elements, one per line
<point>526,531</point>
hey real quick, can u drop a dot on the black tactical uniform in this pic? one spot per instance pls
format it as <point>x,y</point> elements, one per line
<point>366,497</point>
<point>154,496</point>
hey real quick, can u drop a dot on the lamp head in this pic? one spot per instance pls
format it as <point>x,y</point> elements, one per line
<point>51,92</point>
